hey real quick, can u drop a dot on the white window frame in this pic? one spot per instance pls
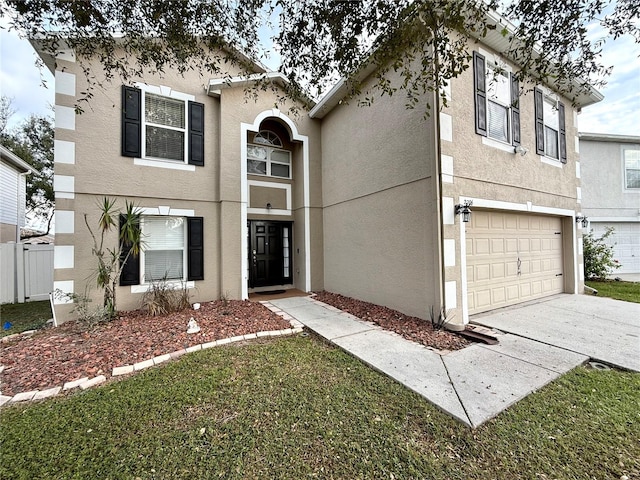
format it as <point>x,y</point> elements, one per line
<point>490,78</point>
<point>493,61</point>
<point>268,160</point>
<point>549,97</point>
<point>143,252</point>
<point>624,149</point>
<point>175,95</point>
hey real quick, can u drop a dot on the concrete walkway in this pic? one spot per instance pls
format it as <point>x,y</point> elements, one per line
<point>472,385</point>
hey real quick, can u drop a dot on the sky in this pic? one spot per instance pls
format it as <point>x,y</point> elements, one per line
<point>31,89</point>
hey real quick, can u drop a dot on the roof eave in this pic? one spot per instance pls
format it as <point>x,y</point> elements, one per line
<point>16,161</point>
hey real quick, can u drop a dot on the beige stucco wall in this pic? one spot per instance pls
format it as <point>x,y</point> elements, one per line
<point>8,232</point>
<point>379,200</point>
<point>514,182</point>
<point>212,191</point>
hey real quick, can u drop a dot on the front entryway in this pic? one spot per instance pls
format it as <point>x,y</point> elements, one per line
<point>269,253</point>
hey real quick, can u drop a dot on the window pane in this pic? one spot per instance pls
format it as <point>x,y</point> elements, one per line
<point>163,143</point>
<point>498,122</point>
<point>550,142</point>
<point>257,152</point>
<point>164,110</point>
<point>163,248</point>
<point>550,112</point>
<point>498,87</point>
<point>280,156</point>
<point>278,170</point>
<point>632,167</point>
<point>256,167</point>
<point>160,264</point>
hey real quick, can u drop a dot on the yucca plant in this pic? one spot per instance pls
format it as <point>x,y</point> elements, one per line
<point>112,259</point>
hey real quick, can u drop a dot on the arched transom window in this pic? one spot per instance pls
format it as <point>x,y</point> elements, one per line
<point>266,156</point>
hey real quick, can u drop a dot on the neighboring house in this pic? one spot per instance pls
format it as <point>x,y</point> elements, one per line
<point>611,193</point>
<point>237,196</point>
<point>13,196</point>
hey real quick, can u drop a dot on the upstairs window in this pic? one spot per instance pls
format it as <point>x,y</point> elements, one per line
<point>497,110</point>
<point>165,124</point>
<point>631,167</point>
<point>165,127</point>
<point>551,138</point>
<point>267,158</point>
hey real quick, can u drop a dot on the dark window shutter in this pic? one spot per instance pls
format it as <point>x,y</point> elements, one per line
<point>562,133</point>
<point>539,107</point>
<point>130,273</point>
<point>196,134</point>
<point>195,246</point>
<point>131,122</point>
<point>515,109</point>
<point>480,89</point>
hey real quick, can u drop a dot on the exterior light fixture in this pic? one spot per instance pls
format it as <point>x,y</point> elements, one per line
<point>584,220</point>
<point>521,150</point>
<point>268,206</point>
<point>464,210</point>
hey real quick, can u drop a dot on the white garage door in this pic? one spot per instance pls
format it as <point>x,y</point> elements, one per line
<point>626,244</point>
<point>512,258</point>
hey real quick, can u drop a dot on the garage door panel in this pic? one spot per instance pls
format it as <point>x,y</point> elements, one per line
<point>625,240</point>
<point>514,258</point>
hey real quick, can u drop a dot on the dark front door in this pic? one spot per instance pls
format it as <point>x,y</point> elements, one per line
<point>269,248</point>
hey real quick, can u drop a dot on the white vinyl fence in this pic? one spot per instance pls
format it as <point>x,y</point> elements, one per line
<point>26,272</point>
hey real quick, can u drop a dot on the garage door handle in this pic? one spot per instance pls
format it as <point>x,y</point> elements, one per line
<point>558,274</point>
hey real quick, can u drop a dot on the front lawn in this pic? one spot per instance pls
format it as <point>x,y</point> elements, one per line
<point>24,316</point>
<point>627,291</point>
<point>297,408</point>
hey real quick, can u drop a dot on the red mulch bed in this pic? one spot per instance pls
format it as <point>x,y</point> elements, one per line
<point>54,356</point>
<point>411,328</point>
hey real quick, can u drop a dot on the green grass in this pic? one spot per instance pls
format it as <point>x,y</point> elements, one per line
<point>25,316</point>
<point>297,408</point>
<point>627,291</point>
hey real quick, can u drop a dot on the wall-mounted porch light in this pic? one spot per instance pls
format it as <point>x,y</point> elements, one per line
<point>268,206</point>
<point>583,220</point>
<point>521,150</point>
<point>464,210</point>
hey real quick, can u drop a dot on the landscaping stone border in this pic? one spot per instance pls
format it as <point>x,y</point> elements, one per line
<point>85,383</point>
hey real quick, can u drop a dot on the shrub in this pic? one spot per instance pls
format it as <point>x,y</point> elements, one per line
<point>163,297</point>
<point>598,256</point>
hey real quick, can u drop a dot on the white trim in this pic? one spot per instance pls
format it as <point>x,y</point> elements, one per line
<point>65,286</point>
<point>65,117</point>
<point>492,142</point>
<point>64,186</point>
<point>450,292</point>
<point>165,92</point>
<point>614,219</point>
<point>67,54</point>
<point>449,252</point>
<point>576,140</point>
<point>64,221</point>
<point>255,127</point>
<point>578,195</point>
<point>145,287</point>
<point>166,211</point>
<point>463,272</point>
<point>577,169</point>
<point>517,207</point>
<point>448,211</point>
<point>64,152</point>
<point>65,83</point>
<point>554,162</point>
<point>170,164</point>
<point>623,149</point>
<point>63,256</point>
<point>282,186</point>
<point>446,127</point>
<point>217,84</point>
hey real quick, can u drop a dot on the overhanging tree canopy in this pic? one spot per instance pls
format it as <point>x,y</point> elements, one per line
<point>322,40</point>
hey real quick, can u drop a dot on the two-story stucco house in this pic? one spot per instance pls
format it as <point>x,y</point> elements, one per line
<point>237,196</point>
<point>611,193</point>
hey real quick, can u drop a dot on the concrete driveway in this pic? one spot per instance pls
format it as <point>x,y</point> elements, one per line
<point>604,329</point>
